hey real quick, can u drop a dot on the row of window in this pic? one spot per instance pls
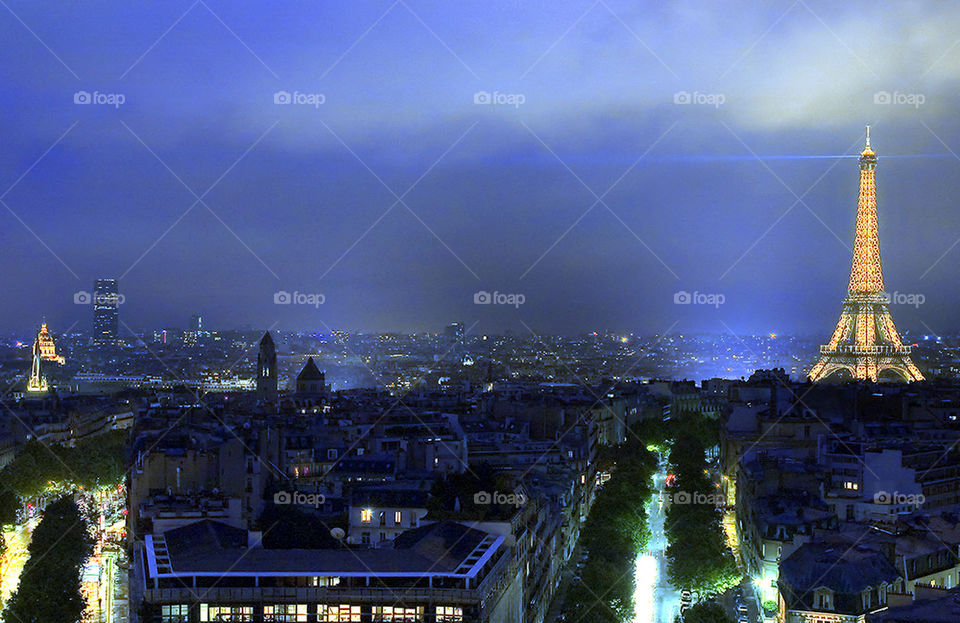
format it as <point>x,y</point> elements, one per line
<point>297,613</point>
<point>366,516</point>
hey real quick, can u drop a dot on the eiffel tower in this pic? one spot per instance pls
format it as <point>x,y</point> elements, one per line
<point>865,342</point>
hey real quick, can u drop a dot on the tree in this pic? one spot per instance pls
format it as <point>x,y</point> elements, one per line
<point>49,590</point>
<point>697,557</point>
<point>9,505</point>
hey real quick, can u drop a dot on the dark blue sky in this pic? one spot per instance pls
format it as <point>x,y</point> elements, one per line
<point>300,196</point>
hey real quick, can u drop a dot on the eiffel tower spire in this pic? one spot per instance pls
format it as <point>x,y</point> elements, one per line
<point>865,342</point>
<point>866,274</point>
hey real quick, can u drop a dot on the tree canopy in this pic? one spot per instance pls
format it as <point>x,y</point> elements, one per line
<point>49,590</point>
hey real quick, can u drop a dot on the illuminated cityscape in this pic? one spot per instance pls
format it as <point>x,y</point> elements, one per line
<point>452,312</point>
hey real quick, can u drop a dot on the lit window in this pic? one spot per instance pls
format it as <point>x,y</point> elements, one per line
<point>344,613</point>
<point>449,614</point>
<point>398,518</point>
<point>174,613</point>
<point>285,613</point>
<point>242,614</point>
<point>397,614</point>
<point>366,515</point>
<point>324,580</point>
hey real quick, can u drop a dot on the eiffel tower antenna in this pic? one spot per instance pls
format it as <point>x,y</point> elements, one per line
<point>865,342</point>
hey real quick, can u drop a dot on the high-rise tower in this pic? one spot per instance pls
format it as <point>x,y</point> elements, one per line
<point>267,368</point>
<point>865,342</point>
<point>106,307</point>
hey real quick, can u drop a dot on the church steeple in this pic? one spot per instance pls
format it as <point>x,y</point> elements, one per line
<point>267,369</point>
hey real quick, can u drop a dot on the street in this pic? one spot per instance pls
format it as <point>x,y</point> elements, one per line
<point>655,600</point>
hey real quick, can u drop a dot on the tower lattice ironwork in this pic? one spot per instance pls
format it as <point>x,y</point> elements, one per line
<point>865,342</point>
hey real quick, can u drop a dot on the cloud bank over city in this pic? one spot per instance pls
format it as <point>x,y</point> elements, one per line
<point>595,157</point>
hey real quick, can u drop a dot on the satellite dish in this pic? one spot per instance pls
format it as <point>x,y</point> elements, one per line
<point>337,533</point>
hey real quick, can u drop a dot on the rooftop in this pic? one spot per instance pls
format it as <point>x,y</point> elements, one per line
<point>212,548</point>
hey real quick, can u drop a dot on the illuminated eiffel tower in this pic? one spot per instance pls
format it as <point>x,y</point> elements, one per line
<point>865,342</point>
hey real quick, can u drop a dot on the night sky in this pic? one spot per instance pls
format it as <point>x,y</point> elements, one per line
<point>584,187</point>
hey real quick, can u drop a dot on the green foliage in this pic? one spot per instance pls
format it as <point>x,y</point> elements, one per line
<point>702,563</point>
<point>97,461</point>
<point>49,590</point>
<point>706,612</point>
<point>697,557</point>
<point>9,503</point>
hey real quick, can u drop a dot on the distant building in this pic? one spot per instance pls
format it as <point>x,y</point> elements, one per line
<point>379,514</point>
<point>267,368</point>
<point>196,323</point>
<point>311,380</point>
<point>48,349</point>
<point>168,336</point>
<point>106,304</point>
<point>454,331</point>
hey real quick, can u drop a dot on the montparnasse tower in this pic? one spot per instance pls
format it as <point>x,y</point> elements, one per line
<point>865,342</point>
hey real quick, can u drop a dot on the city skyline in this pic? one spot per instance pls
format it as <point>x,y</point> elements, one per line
<point>582,157</point>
